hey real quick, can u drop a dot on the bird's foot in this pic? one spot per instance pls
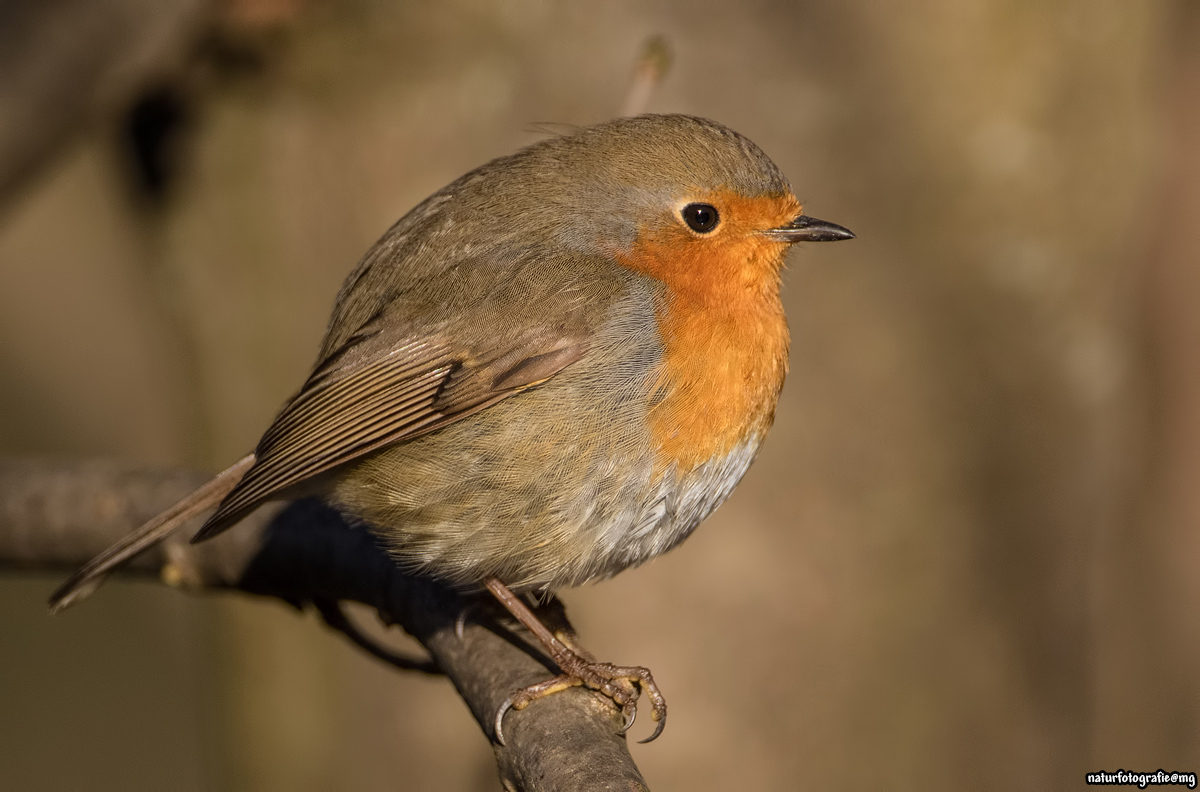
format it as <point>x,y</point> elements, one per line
<point>621,684</point>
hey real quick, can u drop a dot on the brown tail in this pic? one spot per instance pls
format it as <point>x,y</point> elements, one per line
<point>87,579</point>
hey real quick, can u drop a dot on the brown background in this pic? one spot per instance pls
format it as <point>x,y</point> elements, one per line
<point>967,556</point>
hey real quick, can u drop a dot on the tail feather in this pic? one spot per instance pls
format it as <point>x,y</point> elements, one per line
<point>92,574</point>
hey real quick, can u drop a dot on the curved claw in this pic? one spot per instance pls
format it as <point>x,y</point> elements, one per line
<point>498,725</point>
<point>630,717</point>
<point>661,723</point>
<point>460,623</point>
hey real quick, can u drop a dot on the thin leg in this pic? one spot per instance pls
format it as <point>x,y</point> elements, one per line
<point>336,618</point>
<point>621,684</point>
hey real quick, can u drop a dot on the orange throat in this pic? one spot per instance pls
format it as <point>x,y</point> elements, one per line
<point>724,333</point>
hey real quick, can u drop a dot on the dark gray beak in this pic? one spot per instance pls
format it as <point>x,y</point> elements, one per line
<point>810,229</point>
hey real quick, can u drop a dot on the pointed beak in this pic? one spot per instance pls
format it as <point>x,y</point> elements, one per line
<point>809,229</point>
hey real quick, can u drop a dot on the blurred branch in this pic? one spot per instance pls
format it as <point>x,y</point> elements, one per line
<point>55,516</point>
<point>63,63</point>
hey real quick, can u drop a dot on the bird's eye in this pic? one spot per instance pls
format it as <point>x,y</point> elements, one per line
<point>700,217</point>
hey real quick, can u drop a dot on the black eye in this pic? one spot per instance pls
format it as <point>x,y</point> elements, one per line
<point>701,217</point>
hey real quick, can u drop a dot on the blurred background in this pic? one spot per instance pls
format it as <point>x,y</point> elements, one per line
<point>967,557</point>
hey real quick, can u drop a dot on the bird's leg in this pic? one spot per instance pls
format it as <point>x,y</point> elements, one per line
<point>336,619</point>
<point>621,684</point>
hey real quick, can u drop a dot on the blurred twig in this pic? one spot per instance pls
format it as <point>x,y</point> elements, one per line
<point>54,516</point>
<point>652,66</point>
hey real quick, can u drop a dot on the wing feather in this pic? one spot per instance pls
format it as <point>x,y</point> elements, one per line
<point>416,343</point>
<point>341,415</point>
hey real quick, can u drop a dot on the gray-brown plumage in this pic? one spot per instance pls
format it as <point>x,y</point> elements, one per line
<point>550,370</point>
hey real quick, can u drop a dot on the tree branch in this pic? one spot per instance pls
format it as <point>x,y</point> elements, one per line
<point>55,515</point>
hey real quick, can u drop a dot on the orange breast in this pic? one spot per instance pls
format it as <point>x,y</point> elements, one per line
<point>723,329</point>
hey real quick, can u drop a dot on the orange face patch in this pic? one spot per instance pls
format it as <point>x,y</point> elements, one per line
<point>723,329</point>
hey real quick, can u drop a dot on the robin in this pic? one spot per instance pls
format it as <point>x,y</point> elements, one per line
<point>550,370</point>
